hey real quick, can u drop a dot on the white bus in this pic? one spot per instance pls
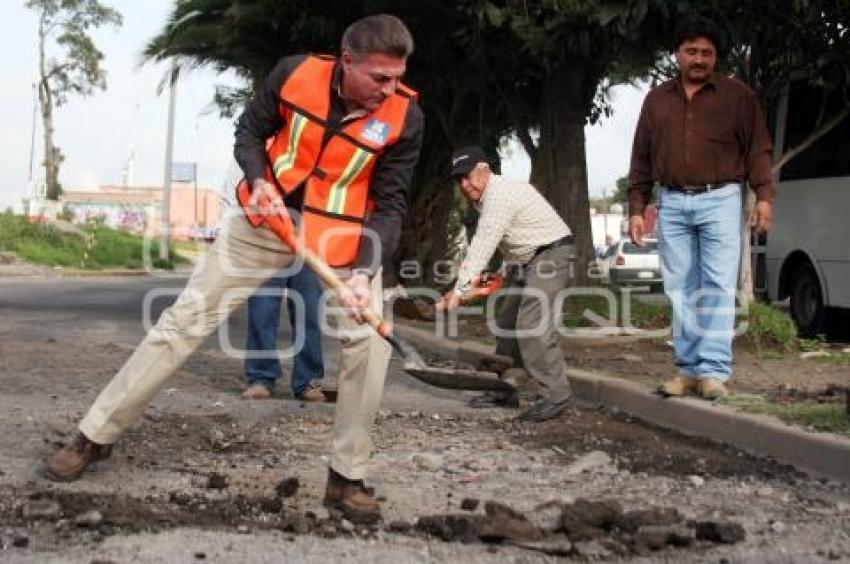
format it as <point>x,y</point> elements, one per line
<point>807,254</point>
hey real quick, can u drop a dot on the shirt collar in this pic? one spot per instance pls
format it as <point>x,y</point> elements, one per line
<point>336,78</point>
<point>676,85</point>
<point>336,85</point>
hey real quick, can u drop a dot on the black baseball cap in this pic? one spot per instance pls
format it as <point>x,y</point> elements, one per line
<point>465,159</point>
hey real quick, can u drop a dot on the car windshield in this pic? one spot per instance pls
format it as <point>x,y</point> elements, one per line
<point>648,247</point>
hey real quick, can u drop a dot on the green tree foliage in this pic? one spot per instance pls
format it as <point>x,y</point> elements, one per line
<point>621,192</point>
<point>551,61</point>
<point>63,27</point>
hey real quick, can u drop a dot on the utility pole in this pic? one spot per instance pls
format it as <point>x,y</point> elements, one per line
<point>31,191</point>
<point>32,136</point>
<point>165,220</point>
<point>195,175</point>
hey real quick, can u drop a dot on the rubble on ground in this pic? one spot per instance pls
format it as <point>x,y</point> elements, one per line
<point>589,528</point>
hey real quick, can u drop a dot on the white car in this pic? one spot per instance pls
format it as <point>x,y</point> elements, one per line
<point>627,264</point>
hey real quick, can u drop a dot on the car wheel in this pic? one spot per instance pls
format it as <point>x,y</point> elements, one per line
<point>807,307</point>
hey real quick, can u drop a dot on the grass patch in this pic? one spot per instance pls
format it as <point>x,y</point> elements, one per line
<point>769,329</point>
<point>830,417</point>
<point>97,248</point>
<point>597,310</point>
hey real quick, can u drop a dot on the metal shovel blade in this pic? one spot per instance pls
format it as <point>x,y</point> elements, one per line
<point>459,379</point>
<point>449,378</point>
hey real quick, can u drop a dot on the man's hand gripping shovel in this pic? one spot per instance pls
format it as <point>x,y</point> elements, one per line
<point>260,212</point>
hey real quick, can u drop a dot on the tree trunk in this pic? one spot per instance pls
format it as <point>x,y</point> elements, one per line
<point>52,156</point>
<point>745,281</point>
<point>559,168</point>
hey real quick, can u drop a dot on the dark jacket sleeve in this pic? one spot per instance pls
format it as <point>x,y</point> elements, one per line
<point>388,192</point>
<point>261,119</point>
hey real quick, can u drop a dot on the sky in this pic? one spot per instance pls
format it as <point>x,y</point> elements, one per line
<point>95,133</point>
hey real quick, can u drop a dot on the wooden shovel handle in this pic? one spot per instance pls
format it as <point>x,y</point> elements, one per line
<point>284,229</point>
<point>330,278</point>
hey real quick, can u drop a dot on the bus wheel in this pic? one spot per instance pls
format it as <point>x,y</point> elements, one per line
<point>807,307</point>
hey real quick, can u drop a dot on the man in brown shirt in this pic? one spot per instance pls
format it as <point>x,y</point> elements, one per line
<point>701,136</point>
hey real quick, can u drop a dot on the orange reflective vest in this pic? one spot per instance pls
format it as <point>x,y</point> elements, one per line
<point>337,172</point>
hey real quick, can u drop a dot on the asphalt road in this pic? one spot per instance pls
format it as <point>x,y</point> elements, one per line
<point>115,309</point>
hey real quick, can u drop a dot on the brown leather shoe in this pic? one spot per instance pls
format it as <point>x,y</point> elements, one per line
<point>69,463</point>
<point>256,391</point>
<point>313,394</point>
<point>678,386</point>
<point>712,389</point>
<point>356,502</point>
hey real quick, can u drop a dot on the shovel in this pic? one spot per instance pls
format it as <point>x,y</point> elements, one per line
<point>455,379</point>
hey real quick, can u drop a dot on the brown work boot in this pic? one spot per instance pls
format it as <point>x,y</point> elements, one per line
<point>257,391</point>
<point>313,394</point>
<point>356,502</point>
<point>69,463</point>
<point>678,386</point>
<point>712,389</point>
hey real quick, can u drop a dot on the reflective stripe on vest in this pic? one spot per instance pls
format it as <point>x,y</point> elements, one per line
<point>286,160</point>
<point>336,199</point>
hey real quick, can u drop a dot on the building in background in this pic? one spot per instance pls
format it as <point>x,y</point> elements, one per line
<point>194,211</point>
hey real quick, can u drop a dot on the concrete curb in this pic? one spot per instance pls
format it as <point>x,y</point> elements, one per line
<point>820,454</point>
<point>77,273</point>
<point>466,351</point>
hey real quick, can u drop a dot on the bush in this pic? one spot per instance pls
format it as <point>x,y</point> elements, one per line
<point>769,329</point>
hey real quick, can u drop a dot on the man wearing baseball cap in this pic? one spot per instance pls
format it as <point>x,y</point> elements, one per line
<point>537,243</point>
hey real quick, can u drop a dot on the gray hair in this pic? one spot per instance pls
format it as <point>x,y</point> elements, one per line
<point>381,33</point>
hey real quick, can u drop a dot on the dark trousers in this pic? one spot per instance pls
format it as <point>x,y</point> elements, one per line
<point>263,324</point>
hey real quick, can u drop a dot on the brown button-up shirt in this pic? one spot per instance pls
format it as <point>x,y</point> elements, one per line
<point>719,135</point>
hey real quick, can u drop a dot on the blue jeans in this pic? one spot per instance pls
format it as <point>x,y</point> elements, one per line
<point>263,322</point>
<point>699,243</point>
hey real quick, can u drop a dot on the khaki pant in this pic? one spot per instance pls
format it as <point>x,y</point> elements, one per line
<point>241,259</point>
